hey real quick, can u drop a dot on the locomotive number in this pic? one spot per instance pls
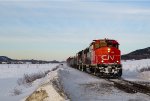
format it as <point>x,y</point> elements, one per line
<point>107,57</point>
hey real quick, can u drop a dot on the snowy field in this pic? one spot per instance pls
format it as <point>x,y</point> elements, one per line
<point>77,85</point>
<point>131,70</point>
<point>9,75</point>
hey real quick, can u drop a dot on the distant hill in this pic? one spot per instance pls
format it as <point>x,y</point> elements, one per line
<point>5,59</point>
<point>137,54</point>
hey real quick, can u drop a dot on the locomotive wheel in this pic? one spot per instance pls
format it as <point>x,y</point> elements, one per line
<point>96,71</point>
<point>119,74</point>
<point>79,67</point>
<point>92,69</point>
<point>84,68</point>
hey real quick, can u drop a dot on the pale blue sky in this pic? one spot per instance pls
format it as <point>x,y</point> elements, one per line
<point>58,29</point>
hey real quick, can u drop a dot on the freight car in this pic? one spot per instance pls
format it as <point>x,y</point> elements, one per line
<point>101,58</point>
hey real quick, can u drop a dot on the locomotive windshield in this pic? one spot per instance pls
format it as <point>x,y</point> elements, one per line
<point>106,43</point>
<point>111,43</point>
<point>102,43</point>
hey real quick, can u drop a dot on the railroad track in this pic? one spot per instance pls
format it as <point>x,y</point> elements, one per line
<point>130,86</point>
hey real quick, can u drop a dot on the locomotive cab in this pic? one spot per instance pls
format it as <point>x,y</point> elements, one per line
<point>105,52</point>
<point>106,57</point>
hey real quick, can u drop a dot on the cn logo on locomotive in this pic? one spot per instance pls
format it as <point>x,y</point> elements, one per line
<point>107,57</point>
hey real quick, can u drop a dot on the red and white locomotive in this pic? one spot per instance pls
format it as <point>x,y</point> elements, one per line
<point>101,58</point>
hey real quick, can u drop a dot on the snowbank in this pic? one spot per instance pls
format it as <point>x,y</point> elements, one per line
<point>145,75</point>
<point>131,69</point>
<point>47,91</point>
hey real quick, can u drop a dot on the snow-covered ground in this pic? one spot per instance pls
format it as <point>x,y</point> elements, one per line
<point>81,86</point>
<point>77,85</point>
<point>10,73</point>
<point>48,90</point>
<point>131,70</point>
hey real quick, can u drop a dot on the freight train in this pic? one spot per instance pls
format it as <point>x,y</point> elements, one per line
<point>101,58</point>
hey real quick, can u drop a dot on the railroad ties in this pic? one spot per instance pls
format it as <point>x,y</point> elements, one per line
<point>131,86</point>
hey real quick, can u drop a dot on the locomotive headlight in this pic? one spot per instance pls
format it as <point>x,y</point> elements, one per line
<point>108,49</point>
<point>102,61</point>
<point>117,61</point>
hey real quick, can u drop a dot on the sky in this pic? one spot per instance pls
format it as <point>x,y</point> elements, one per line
<point>55,30</point>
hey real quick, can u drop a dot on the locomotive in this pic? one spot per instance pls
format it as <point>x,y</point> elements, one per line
<point>101,58</point>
